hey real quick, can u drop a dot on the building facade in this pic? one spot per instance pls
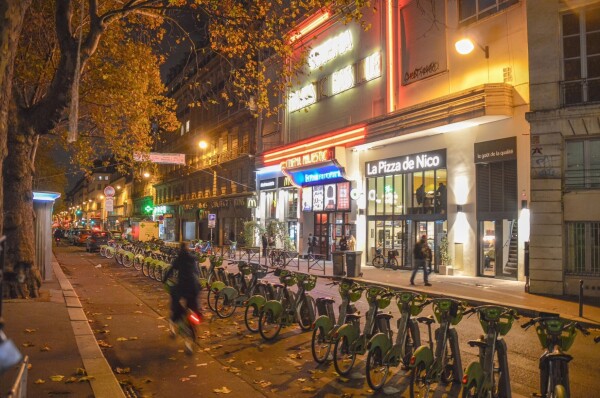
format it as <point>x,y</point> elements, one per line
<point>564,62</point>
<point>393,135</point>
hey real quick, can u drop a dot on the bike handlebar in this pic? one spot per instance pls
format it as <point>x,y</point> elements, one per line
<point>566,325</point>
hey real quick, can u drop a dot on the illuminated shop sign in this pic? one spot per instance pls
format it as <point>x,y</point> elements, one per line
<point>330,49</point>
<point>159,210</point>
<point>285,182</point>
<point>407,164</point>
<point>342,80</point>
<point>302,98</point>
<point>308,158</point>
<point>496,150</point>
<point>323,173</point>
<point>270,183</point>
<point>373,66</point>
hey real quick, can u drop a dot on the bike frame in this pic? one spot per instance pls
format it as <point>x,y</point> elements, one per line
<point>287,311</point>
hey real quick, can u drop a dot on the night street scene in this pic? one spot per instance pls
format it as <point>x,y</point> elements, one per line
<point>277,198</point>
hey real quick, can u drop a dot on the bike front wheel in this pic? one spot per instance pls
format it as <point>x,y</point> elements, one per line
<point>449,362</point>
<point>378,262</point>
<point>320,345</point>
<point>420,386</point>
<point>224,306</point>
<point>137,263</point>
<point>304,319</point>
<point>127,261</point>
<point>146,269</point>
<point>251,318</point>
<point>377,371</point>
<point>268,325</point>
<point>343,357</point>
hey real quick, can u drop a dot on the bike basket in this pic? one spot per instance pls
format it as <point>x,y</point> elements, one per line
<point>288,280</point>
<point>245,269</point>
<point>553,329</point>
<point>310,283</point>
<point>372,292</point>
<point>355,295</point>
<point>448,306</point>
<point>500,316</point>
<point>383,302</point>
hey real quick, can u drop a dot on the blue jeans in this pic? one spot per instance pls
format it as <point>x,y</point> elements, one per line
<point>419,263</point>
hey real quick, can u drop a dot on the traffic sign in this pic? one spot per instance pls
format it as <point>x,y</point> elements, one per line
<point>109,191</point>
<point>212,220</point>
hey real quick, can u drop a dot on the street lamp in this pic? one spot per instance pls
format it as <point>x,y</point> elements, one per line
<point>465,46</point>
<point>203,145</point>
<point>146,174</point>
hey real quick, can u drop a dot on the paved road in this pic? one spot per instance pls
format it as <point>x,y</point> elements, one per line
<point>127,312</point>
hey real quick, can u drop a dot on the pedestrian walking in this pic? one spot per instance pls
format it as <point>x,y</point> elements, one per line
<point>311,244</point>
<point>419,256</point>
<point>265,243</point>
<point>428,257</point>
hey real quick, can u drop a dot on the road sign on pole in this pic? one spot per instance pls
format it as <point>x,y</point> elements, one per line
<point>212,221</point>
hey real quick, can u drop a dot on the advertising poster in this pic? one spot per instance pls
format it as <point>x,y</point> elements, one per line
<point>318,197</point>
<point>307,197</point>
<point>330,197</point>
<point>343,197</point>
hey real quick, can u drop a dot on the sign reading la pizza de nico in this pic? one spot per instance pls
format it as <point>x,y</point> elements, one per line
<point>407,163</point>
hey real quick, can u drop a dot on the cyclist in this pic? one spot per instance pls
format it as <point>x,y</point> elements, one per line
<point>187,286</point>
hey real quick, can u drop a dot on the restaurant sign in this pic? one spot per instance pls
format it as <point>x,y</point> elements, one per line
<point>407,163</point>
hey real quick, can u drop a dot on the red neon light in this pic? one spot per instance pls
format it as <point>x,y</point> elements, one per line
<point>303,146</point>
<point>311,24</point>
<point>390,56</point>
<point>302,149</point>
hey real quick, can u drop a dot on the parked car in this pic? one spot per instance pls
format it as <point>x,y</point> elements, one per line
<point>81,236</point>
<point>71,235</point>
<point>96,239</point>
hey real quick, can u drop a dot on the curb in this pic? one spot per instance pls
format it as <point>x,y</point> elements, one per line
<point>104,383</point>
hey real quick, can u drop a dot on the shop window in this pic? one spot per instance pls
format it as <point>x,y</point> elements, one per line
<point>441,192</point>
<point>583,248</point>
<point>582,164</point>
<point>291,209</point>
<point>399,194</point>
<point>371,195</point>
<point>581,56</point>
<point>470,11</point>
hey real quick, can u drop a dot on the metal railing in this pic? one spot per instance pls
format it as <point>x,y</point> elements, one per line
<point>19,387</point>
<point>580,92</point>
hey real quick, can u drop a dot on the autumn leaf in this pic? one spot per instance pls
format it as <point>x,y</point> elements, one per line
<point>57,377</point>
<point>122,339</point>
<point>39,381</point>
<point>122,370</point>
<point>222,390</point>
<point>309,389</point>
<point>28,344</point>
<point>45,348</point>
<point>30,330</point>
<point>86,378</point>
<point>71,379</point>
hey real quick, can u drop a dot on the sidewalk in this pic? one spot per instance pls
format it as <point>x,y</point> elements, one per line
<point>53,331</point>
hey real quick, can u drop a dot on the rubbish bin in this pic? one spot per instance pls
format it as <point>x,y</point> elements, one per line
<point>353,260</point>
<point>338,258</point>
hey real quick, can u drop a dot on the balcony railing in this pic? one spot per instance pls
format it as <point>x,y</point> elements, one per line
<point>580,92</point>
<point>582,179</point>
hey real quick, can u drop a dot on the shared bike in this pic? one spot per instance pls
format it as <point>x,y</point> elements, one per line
<point>231,297</point>
<point>326,325</point>
<point>350,341</point>
<point>383,352</point>
<point>488,377</point>
<point>429,367</point>
<point>556,337</point>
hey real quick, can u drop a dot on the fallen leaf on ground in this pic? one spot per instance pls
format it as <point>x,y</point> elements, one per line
<point>122,370</point>
<point>109,317</point>
<point>104,344</point>
<point>222,390</point>
<point>45,348</point>
<point>71,379</point>
<point>122,339</point>
<point>202,364</point>
<point>309,389</point>
<point>133,338</point>
<point>259,368</point>
<point>80,371</point>
<point>137,312</point>
<point>249,362</point>
<point>184,379</point>
<point>39,381</point>
<point>57,377</point>
<point>301,380</point>
<point>30,330</point>
<point>86,378</point>
<point>28,344</point>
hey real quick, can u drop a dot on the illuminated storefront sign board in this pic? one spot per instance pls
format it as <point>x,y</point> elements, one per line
<point>159,210</point>
<point>308,158</point>
<point>323,173</point>
<point>302,98</point>
<point>270,183</point>
<point>342,80</point>
<point>408,163</point>
<point>330,49</point>
<point>372,66</point>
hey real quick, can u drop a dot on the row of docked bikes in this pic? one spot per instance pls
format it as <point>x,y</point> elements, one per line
<point>432,367</point>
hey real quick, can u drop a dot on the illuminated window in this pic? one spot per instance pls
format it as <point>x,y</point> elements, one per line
<point>470,11</point>
<point>342,80</point>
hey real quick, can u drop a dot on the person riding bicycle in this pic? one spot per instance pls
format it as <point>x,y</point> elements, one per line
<point>58,235</point>
<point>187,286</point>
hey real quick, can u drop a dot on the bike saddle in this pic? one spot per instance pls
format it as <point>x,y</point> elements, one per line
<point>351,317</point>
<point>477,343</point>
<point>278,285</point>
<point>325,300</point>
<point>428,320</point>
<point>384,315</point>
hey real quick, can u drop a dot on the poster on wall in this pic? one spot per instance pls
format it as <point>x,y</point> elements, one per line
<point>330,197</point>
<point>318,198</point>
<point>343,196</point>
<point>307,197</point>
<point>423,41</point>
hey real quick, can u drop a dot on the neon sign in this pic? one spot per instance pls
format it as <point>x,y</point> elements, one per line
<point>373,66</point>
<point>409,163</point>
<point>342,80</point>
<point>302,98</point>
<point>324,173</point>
<point>309,158</point>
<point>330,49</point>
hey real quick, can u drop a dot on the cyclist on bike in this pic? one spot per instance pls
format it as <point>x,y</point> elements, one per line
<point>187,286</point>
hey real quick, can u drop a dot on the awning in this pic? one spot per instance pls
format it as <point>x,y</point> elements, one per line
<point>316,174</point>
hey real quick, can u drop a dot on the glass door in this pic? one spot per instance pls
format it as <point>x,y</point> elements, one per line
<point>322,233</point>
<point>498,248</point>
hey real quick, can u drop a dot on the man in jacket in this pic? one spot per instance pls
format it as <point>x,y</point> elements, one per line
<point>420,259</point>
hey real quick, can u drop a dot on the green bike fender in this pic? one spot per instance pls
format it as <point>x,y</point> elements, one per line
<point>324,322</point>
<point>129,255</point>
<point>256,301</point>
<point>380,340</point>
<point>140,257</point>
<point>110,249</point>
<point>217,286</point>
<point>203,283</point>
<point>274,306</point>
<point>422,354</point>
<point>473,372</point>
<point>350,331</point>
<point>148,260</point>
<point>229,292</point>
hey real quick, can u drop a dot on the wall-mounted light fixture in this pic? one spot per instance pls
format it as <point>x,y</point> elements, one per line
<point>523,200</point>
<point>465,46</point>
<point>459,209</point>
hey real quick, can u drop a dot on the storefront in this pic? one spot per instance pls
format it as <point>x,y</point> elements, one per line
<point>497,208</point>
<point>278,201</point>
<point>406,198</point>
<point>164,215</point>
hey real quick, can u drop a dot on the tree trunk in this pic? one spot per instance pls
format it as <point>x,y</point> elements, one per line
<point>12,13</point>
<point>19,215</point>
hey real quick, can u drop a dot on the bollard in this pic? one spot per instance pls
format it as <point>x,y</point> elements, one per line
<point>581,298</point>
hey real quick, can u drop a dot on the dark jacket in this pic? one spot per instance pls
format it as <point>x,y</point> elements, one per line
<point>418,252</point>
<point>187,274</point>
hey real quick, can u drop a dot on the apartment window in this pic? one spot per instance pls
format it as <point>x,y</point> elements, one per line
<point>187,126</point>
<point>470,11</point>
<point>583,248</point>
<point>581,56</point>
<point>582,165</point>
